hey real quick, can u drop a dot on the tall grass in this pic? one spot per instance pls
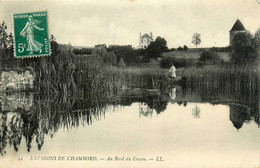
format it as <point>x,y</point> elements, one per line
<point>69,75</point>
<point>221,75</point>
<point>138,77</point>
<point>237,82</point>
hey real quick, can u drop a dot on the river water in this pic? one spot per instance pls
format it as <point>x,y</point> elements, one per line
<point>140,128</point>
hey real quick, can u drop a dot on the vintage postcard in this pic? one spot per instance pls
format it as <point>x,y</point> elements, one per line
<point>129,84</point>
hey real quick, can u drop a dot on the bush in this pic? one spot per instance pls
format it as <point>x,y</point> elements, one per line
<point>129,55</point>
<point>109,58</point>
<point>180,48</point>
<point>221,49</point>
<point>121,63</point>
<point>185,48</point>
<point>209,56</point>
<point>82,51</point>
<point>167,62</point>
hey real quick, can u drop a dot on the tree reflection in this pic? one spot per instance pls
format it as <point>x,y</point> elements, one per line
<point>196,111</point>
<point>3,134</point>
<point>45,117</point>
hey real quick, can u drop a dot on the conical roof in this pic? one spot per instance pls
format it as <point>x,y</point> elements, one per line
<point>238,26</point>
<point>237,125</point>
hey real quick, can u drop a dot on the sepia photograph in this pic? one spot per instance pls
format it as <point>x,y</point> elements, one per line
<point>129,84</point>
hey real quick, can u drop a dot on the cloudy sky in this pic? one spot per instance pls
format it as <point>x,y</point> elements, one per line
<point>90,22</point>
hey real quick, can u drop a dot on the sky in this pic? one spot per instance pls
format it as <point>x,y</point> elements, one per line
<point>91,22</point>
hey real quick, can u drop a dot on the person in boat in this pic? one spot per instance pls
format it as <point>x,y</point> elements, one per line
<point>172,72</point>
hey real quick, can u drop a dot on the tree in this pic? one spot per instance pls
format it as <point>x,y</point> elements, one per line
<point>127,52</point>
<point>156,47</point>
<point>10,40</point>
<point>180,48</point>
<point>53,38</point>
<point>54,45</point>
<point>244,49</point>
<point>185,48</point>
<point>257,40</point>
<point>3,35</point>
<point>6,41</point>
<point>196,39</point>
<point>196,112</point>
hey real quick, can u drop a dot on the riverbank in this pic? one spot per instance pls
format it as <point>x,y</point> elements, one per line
<point>67,74</point>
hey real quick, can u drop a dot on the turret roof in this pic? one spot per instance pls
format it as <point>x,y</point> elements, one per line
<point>238,26</point>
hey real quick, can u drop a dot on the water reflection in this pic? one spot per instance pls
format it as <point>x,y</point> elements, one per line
<point>34,117</point>
<point>145,110</point>
<point>196,112</point>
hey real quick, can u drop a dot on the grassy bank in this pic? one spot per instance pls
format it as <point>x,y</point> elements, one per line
<point>70,75</point>
<point>234,82</point>
<point>67,74</point>
<point>221,75</point>
<point>138,77</point>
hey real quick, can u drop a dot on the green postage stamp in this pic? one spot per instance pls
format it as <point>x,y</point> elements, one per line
<point>31,36</point>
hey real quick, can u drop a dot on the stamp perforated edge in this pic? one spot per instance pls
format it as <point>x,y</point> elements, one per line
<point>36,55</point>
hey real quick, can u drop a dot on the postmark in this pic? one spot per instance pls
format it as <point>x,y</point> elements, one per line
<point>31,36</point>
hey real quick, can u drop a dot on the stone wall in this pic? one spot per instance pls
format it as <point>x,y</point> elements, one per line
<point>16,81</point>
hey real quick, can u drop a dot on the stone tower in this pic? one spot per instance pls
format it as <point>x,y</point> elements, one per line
<point>237,28</point>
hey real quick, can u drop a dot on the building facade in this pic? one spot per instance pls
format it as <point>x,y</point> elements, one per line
<point>237,28</point>
<point>145,40</point>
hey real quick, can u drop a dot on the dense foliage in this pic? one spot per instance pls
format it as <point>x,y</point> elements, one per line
<point>154,50</point>
<point>209,56</point>
<point>127,53</point>
<point>82,51</point>
<point>168,61</point>
<point>221,49</point>
<point>244,49</point>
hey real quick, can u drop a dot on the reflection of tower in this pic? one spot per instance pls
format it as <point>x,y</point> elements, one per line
<point>145,110</point>
<point>237,115</point>
<point>258,100</point>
